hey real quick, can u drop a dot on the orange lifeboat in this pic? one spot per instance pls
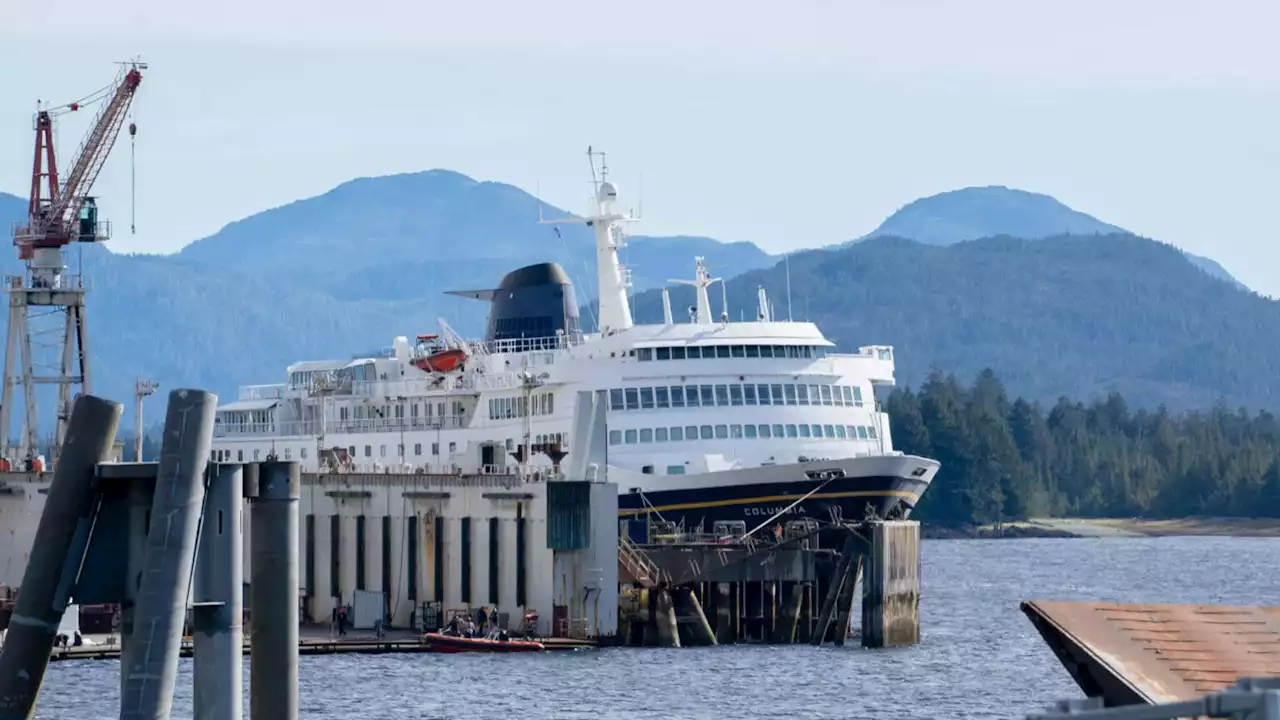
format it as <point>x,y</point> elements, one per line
<point>442,361</point>
<point>435,356</point>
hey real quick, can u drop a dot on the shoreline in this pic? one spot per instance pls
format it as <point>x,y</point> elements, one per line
<point>1110,527</point>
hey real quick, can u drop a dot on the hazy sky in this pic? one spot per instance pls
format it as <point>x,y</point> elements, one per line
<point>789,124</point>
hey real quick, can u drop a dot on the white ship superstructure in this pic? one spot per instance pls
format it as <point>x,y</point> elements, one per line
<point>708,419</point>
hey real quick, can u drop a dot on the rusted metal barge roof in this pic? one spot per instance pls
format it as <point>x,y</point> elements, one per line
<point>1149,654</point>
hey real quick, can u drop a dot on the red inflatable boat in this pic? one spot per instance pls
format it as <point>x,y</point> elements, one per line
<point>439,642</point>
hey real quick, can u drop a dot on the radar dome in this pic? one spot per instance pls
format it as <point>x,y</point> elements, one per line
<point>608,192</point>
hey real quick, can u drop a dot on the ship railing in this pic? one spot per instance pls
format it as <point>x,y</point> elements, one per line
<point>522,345</point>
<point>262,392</point>
<point>422,477</point>
<point>313,428</point>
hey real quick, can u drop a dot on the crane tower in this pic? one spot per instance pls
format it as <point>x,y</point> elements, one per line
<point>40,350</point>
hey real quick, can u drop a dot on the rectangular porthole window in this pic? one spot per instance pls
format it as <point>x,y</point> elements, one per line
<point>748,431</point>
<point>664,353</point>
<point>828,431</point>
<point>722,432</point>
<point>764,431</point>
<point>871,431</point>
<point>862,432</point>
<point>660,397</point>
<point>840,433</point>
<point>615,399</point>
<point>690,432</point>
<point>804,431</point>
<point>646,398</point>
<point>615,437</point>
<point>691,395</point>
<point>766,351</point>
<point>738,351</point>
<point>708,398</point>
<point>791,431</point>
<point>735,432</point>
<point>749,394</point>
<point>633,398</point>
<point>677,434</point>
<point>777,431</point>
<point>646,435</point>
<point>826,394</point>
<point>677,353</point>
<point>630,436</point>
<point>735,394</point>
<point>677,396</point>
<point>659,434</point>
<point>753,351</point>
<point>705,432</point>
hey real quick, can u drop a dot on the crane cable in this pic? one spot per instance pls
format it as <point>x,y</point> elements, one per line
<point>133,178</point>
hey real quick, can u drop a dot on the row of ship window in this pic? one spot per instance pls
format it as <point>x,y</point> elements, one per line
<point>679,396</point>
<point>225,455</point>
<point>710,352</point>
<point>743,432</point>
<point>518,407</point>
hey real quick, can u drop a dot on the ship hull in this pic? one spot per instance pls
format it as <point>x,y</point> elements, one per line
<point>831,490</point>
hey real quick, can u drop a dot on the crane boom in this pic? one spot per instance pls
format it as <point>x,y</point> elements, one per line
<point>52,221</point>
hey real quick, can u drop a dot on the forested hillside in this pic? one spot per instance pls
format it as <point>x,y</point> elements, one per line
<point>1006,459</point>
<point>1074,316</point>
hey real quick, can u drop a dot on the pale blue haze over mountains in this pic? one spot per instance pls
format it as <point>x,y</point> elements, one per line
<point>346,271</point>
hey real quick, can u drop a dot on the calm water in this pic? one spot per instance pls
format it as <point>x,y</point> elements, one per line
<point>979,658</point>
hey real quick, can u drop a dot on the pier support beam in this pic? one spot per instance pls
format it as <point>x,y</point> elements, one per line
<point>217,600</point>
<point>665,619</point>
<point>56,553</point>
<point>790,621</point>
<point>891,584</point>
<point>846,565</point>
<point>151,659</point>
<point>724,613</point>
<point>701,627</point>
<point>273,684</point>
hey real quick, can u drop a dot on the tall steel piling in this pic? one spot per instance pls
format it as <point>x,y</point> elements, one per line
<point>273,588</point>
<point>217,605</point>
<point>891,585</point>
<point>55,555</point>
<point>151,657</point>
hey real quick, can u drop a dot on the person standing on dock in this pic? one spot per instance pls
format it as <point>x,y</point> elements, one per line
<point>342,621</point>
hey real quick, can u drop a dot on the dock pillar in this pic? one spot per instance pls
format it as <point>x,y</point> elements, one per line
<point>702,628</point>
<point>62,528</point>
<point>789,623</point>
<point>891,584</point>
<point>217,605</point>
<point>665,619</point>
<point>844,604</point>
<point>151,657</point>
<point>724,613</point>
<point>273,592</point>
<point>140,496</point>
<point>838,578</point>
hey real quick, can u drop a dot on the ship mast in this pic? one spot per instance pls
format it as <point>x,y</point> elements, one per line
<point>605,220</point>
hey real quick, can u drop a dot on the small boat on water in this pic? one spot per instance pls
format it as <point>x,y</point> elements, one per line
<point>440,642</point>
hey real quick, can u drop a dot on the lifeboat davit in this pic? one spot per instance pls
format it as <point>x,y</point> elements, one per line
<point>439,642</point>
<point>442,361</point>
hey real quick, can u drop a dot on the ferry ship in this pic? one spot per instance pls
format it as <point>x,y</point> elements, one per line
<point>708,421</point>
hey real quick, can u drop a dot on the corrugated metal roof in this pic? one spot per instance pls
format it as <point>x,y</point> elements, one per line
<point>1159,653</point>
<point>249,405</point>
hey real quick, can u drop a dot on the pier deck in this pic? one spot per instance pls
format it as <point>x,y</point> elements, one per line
<point>1150,654</point>
<point>314,641</point>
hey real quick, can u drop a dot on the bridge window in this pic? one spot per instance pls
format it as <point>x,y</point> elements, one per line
<point>630,437</point>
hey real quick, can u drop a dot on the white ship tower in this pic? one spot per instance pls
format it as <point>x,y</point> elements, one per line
<point>606,220</point>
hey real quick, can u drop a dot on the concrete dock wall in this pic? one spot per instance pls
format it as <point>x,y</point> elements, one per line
<point>425,515</point>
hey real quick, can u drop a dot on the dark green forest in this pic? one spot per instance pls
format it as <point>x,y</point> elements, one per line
<point>1008,458</point>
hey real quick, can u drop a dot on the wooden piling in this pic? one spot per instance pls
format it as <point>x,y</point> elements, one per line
<point>724,613</point>
<point>891,584</point>
<point>844,605</point>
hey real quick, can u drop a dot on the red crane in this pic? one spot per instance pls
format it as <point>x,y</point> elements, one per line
<point>61,211</point>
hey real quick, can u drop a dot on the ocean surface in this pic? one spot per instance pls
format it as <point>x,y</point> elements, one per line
<point>979,656</point>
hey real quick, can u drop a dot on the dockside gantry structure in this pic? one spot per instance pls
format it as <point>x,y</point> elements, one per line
<point>60,212</point>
